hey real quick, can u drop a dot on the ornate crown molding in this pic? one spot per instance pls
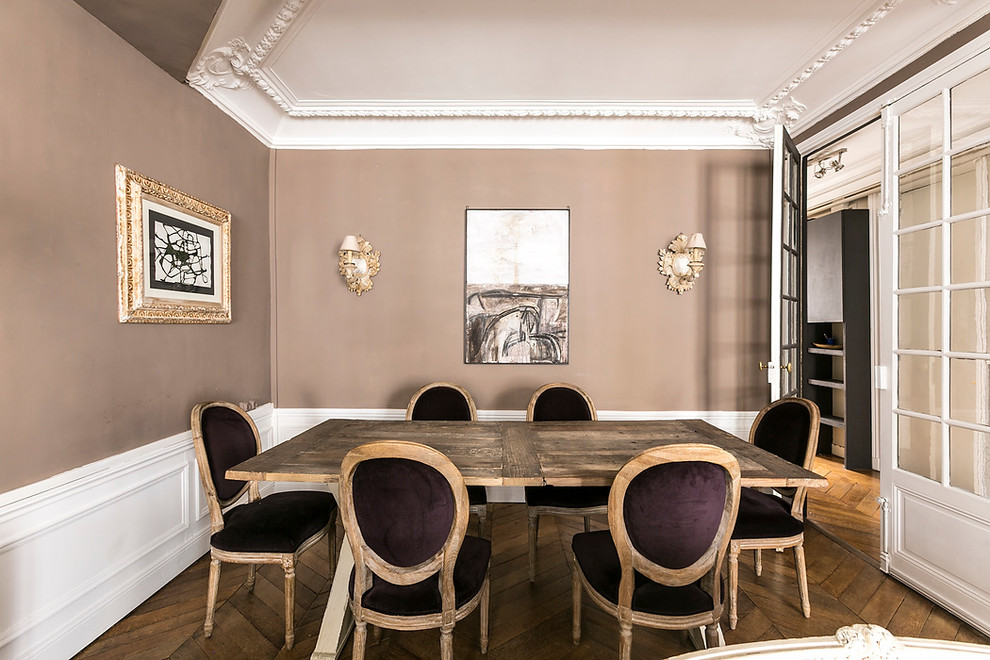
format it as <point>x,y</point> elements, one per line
<point>238,66</point>
<point>858,31</point>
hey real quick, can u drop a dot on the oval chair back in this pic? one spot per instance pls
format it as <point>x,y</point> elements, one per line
<point>789,428</point>
<point>405,511</point>
<point>671,513</point>
<point>442,402</point>
<point>560,402</point>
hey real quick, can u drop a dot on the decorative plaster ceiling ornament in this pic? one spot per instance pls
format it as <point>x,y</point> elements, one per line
<point>223,67</point>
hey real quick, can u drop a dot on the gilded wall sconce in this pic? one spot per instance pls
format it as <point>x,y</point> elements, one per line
<point>682,262</point>
<point>358,263</point>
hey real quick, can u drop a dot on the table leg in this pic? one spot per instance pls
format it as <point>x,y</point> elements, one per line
<point>337,619</point>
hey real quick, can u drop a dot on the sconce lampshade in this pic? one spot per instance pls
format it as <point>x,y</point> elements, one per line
<point>350,243</point>
<point>697,241</point>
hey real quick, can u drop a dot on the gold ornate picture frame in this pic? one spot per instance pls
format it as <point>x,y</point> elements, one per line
<point>173,254</point>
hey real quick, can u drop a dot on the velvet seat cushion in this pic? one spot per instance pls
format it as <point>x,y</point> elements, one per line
<point>595,553</point>
<point>764,516</point>
<point>423,597</point>
<point>569,497</point>
<point>278,523</point>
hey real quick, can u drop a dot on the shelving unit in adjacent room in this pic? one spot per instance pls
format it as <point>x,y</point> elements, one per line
<point>837,307</point>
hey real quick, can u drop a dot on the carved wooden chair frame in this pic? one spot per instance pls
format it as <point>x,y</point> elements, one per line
<point>797,511</point>
<point>367,561</point>
<point>707,568</point>
<point>482,511</point>
<point>216,507</point>
<point>536,511</point>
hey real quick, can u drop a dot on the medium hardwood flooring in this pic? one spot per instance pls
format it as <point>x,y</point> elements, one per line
<point>847,511</point>
<point>533,621</point>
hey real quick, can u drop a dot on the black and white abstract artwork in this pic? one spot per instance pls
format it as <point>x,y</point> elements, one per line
<point>516,286</point>
<point>182,255</point>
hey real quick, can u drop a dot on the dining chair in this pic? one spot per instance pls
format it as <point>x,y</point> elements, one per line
<point>670,512</point>
<point>452,403</point>
<point>405,513</point>
<point>272,530</point>
<point>788,428</point>
<point>561,402</point>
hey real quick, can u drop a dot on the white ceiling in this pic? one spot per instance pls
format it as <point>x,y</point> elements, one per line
<point>655,73</point>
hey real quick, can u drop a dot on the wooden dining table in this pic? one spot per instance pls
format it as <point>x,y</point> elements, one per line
<point>506,453</point>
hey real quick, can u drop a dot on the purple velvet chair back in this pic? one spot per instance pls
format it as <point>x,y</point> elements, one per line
<point>562,402</point>
<point>441,403</point>
<point>783,429</point>
<point>405,509</point>
<point>673,511</point>
<point>228,439</point>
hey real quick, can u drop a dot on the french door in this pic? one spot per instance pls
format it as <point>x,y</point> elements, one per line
<point>782,367</point>
<point>934,290</point>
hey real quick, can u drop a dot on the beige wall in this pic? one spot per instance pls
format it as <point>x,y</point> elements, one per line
<point>634,345</point>
<point>76,385</point>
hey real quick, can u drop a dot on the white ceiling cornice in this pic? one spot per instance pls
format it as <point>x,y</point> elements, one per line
<point>241,78</point>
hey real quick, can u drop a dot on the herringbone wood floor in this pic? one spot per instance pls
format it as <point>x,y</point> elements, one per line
<point>533,621</point>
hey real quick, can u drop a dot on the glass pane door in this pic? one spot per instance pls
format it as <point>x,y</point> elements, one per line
<point>783,367</point>
<point>935,472</point>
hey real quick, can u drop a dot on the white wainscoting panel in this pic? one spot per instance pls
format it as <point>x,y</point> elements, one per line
<point>291,422</point>
<point>82,549</point>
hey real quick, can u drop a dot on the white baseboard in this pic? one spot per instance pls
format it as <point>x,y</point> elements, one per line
<point>82,549</point>
<point>290,422</point>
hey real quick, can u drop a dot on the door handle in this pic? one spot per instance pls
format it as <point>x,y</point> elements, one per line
<point>763,366</point>
<point>786,367</point>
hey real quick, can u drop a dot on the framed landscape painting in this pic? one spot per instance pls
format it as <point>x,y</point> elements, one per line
<point>173,254</point>
<point>516,286</point>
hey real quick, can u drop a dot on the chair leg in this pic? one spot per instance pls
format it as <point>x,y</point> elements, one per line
<point>252,573</point>
<point>534,531</point>
<point>711,636</point>
<point>360,639</point>
<point>486,533</point>
<point>733,584</point>
<point>482,519</point>
<point>447,643</point>
<point>332,539</point>
<point>290,601</point>
<point>587,523</point>
<point>758,562</point>
<point>575,606</point>
<point>625,640</point>
<point>802,578</point>
<point>211,595</point>
<point>485,597</point>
